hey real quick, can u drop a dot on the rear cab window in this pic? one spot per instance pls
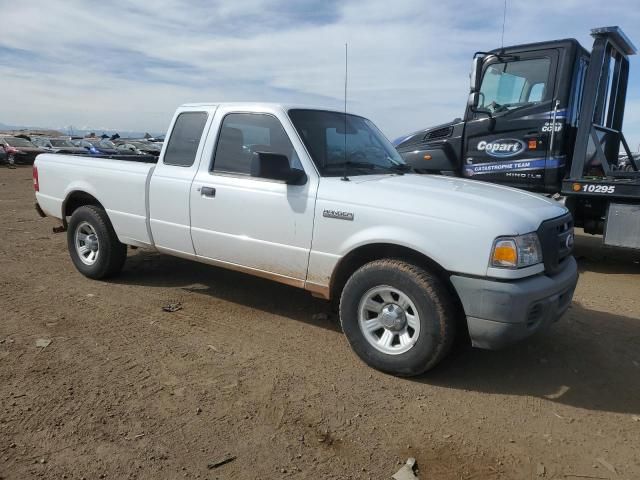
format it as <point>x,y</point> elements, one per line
<point>185,138</point>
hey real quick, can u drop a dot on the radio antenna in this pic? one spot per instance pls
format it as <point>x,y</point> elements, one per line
<point>346,71</point>
<point>504,20</point>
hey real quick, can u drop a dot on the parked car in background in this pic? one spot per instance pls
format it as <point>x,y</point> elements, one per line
<point>58,145</point>
<point>98,146</point>
<point>139,147</point>
<point>19,150</point>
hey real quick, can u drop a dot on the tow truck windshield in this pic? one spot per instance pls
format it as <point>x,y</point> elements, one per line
<point>342,144</point>
<point>507,85</point>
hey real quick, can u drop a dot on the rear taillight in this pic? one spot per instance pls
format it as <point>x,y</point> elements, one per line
<point>36,184</point>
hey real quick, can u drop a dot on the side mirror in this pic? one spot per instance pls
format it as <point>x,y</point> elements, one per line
<point>275,166</point>
<point>472,102</point>
<point>297,177</point>
<point>476,74</point>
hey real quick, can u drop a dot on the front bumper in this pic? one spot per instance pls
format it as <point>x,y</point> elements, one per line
<point>502,313</point>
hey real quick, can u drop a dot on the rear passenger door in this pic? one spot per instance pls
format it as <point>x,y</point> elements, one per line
<point>241,219</point>
<point>170,184</point>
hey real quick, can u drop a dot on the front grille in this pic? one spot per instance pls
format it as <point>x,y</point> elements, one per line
<point>556,238</point>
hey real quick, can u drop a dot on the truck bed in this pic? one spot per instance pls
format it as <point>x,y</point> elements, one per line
<point>118,184</point>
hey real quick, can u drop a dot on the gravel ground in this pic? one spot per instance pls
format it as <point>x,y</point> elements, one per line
<point>260,372</point>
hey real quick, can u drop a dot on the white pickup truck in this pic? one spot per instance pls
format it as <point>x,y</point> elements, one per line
<point>320,200</point>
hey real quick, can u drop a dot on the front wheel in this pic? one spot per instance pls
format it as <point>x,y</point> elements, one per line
<point>398,317</point>
<point>93,244</point>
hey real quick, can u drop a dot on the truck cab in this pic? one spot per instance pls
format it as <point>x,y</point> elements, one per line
<point>546,117</point>
<point>519,123</point>
<point>522,117</point>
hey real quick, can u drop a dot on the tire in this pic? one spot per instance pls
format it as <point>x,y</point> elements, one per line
<point>90,230</point>
<point>424,306</point>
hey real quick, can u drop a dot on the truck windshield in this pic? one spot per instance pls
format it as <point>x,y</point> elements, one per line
<point>340,144</point>
<point>513,84</point>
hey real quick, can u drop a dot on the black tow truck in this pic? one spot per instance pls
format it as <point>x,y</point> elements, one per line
<point>547,117</point>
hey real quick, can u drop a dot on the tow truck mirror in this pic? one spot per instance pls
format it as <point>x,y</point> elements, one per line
<point>472,102</point>
<point>476,74</point>
<point>275,166</point>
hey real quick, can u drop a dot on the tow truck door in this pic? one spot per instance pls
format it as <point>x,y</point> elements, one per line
<point>508,133</point>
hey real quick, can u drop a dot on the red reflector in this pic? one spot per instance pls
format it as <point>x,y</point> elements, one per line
<point>36,184</point>
<point>533,144</point>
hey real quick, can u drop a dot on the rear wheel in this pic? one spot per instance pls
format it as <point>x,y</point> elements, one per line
<point>93,244</point>
<point>398,317</point>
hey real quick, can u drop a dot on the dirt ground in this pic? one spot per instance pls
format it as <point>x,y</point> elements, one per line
<point>256,371</point>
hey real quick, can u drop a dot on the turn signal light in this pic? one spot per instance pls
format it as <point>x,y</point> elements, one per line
<point>533,144</point>
<point>427,157</point>
<point>505,254</point>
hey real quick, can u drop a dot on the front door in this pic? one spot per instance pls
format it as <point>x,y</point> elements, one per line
<point>241,219</point>
<point>507,140</point>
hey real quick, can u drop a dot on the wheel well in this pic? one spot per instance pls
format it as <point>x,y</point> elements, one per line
<point>377,251</point>
<point>76,200</point>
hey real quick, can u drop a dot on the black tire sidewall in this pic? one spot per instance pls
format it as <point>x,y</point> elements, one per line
<point>425,352</point>
<point>110,247</point>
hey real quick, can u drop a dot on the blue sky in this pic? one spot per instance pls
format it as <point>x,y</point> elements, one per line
<point>127,65</point>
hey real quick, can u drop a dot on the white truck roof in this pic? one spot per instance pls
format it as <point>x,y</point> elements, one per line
<point>261,105</point>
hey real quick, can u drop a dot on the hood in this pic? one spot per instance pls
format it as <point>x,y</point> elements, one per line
<point>506,210</point>
<point>439,131</point>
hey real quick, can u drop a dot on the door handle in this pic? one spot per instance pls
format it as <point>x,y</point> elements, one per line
<point>208,191</point>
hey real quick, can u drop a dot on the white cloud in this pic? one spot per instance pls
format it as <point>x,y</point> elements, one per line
<point>126,65</point>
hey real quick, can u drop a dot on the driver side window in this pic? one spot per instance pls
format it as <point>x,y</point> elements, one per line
<point>244,135</point>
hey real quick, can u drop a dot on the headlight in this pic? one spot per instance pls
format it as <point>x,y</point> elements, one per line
<point>516,252</point>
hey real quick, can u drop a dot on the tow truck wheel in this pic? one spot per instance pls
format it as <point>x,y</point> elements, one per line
<point>398,317</point>
<point>93,244</point>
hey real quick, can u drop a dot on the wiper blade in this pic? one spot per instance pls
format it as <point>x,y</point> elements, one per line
<point>350,164</point>
<point>398,168</point>
<point>402,168</point>
<point>515,106</point>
